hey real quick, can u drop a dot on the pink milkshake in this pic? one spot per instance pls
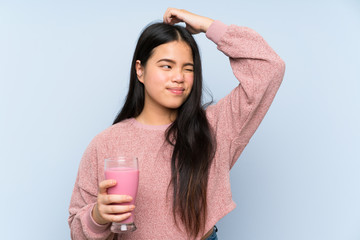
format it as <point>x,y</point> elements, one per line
<point>127,180</point>
<point>125,171</point>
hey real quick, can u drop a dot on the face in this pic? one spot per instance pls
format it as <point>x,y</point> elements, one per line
<point>167,76</point>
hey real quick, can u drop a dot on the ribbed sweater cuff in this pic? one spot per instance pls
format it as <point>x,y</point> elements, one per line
<point>216,30</point>
<point>93,226</point>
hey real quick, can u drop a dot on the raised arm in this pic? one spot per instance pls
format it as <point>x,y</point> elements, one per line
<point>259,70</point>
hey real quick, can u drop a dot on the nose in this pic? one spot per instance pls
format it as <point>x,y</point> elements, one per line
<point>178,76</point>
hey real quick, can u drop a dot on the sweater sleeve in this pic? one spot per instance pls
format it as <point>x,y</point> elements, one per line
<point>259,70</point>
<point>83,199</point>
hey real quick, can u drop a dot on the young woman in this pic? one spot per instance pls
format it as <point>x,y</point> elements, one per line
<point>185,152</point>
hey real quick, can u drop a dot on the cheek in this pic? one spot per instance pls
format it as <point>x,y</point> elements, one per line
<point>156,76</point>
<point>190,81</point>
<point>153,80</point>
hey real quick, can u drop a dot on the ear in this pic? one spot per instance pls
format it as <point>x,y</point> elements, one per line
<point>139,71</point>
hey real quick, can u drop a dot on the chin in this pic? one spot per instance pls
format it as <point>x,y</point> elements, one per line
<point>173,103</point>
<point>174,106</point>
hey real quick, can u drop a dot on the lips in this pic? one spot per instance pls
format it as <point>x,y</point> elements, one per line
<point>176,90</point>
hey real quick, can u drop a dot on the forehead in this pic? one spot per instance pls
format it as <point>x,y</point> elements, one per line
<point>175,50</point>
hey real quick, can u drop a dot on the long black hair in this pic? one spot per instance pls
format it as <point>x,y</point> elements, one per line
<point>190,134</point>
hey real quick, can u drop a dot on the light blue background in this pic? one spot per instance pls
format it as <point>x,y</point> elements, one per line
<point>64,69</point>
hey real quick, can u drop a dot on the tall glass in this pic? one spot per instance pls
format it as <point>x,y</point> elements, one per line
<point>126,173</point>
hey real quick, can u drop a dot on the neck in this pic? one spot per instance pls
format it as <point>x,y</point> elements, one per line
<point>156,116</point>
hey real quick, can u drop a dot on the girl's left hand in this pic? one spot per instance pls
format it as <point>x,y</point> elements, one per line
<point>194,23</point>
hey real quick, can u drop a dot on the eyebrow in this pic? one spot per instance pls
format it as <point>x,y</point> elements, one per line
<point>173,62</point>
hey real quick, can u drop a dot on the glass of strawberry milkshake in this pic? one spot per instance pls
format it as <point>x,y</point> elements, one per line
<point>126,173</point>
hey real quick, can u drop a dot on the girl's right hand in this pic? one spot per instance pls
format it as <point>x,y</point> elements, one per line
<point>106,210</point>
<point>194,23</point>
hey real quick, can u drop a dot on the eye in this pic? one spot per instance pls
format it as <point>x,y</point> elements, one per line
<point>166,66</point>
<point>189,70</point>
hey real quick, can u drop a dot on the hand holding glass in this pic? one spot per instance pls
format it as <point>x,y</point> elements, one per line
<point>126,173</point>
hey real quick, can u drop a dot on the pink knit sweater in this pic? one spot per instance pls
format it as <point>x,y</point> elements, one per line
<point>234,118</point>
